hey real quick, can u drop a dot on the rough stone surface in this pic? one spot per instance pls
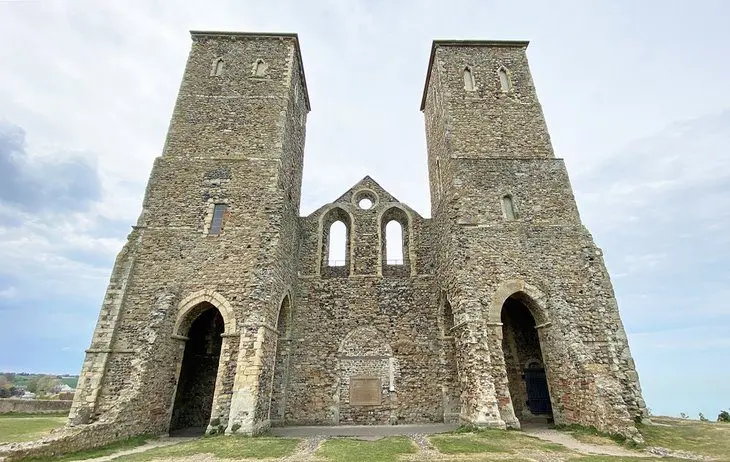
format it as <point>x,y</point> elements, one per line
<point>505,231</point>
<point>34,406</point>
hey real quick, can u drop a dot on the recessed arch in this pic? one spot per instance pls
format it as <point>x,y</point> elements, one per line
<point>217,67</point>
<point>329,217</point>
<point>505,82</point>
<point>533,298</point>
<point>469,84</point>
<point>192,305</point>
<point>365,341</point>
<point>403,218</point>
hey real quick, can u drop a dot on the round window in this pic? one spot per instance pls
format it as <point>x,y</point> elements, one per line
<point>365,203</point>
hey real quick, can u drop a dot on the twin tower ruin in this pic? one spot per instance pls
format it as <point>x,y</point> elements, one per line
<point>224,310</point>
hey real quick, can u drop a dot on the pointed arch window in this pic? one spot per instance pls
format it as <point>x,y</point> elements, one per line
<point>508,207</point>
<point>504,80</point>
<point>469,84</point>
<point>260,68</point>
<point>335,243</point>
<point>336,255</point>
<point>217,68</point>
<point>394,243</point>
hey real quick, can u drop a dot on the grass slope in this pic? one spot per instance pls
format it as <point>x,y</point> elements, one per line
<point>23,427</point>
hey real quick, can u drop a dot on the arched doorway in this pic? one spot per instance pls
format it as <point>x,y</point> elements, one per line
<point>196,383</point>
<point>524,361</point>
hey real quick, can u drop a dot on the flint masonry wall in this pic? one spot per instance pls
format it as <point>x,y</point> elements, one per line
<point>369,342</point>
<point>367,319</point>
<point>236,138</point>
<point>488,141</point>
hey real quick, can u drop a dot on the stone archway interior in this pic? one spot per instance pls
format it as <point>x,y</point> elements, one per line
<point>523,361</point>
<point>196,385</point>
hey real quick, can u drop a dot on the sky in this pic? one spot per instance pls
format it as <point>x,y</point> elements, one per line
<point>634,93</point>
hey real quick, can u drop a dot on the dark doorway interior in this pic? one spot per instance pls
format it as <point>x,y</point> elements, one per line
<point>523,360</point>
<point>194,397</point>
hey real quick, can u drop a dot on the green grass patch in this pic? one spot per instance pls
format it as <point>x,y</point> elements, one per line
<point>102,451</point>
<point>618,459</point>
<point>594,436</point>
<point>224,447</point>
<point>474,440</point>
<point>384,450</point>
<point>17,427</point>
<point>465,444</point>
<point>706,438</point>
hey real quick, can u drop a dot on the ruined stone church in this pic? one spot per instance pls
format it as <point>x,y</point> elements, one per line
<point>225,310</point>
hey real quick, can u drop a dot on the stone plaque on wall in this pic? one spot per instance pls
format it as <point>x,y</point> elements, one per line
<point>364,391</point>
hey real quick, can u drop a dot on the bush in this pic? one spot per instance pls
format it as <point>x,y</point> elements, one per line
<point>724,416</point>
<point>703,418</point>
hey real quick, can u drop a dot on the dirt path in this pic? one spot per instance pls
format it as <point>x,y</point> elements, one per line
<point>554,436</point>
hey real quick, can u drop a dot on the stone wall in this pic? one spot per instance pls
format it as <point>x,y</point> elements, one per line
<point>509,225</point>
<point>34,406</point>
<point>235,139</point>
<point>372,341</point>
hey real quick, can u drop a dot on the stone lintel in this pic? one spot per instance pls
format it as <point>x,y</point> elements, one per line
<point>179,337</point>
<point>544,325</point>
<point>231,334</point>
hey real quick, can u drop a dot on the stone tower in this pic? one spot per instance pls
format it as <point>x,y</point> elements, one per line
<point>226,310</point>
<point>525,282</point>
<point>218,228</point>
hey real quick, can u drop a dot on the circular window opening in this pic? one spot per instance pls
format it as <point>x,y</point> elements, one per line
<point>365,203</point>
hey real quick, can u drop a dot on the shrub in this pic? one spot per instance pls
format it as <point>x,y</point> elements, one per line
<point>724,416</point>
<point>703,418</point>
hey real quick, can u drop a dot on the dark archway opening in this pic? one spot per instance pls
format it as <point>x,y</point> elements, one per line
<point>524,363</point>
<point>196,385</point>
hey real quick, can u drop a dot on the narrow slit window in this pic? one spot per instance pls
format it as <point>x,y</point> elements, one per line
<point>260,68</point>
<point>504,81</point>
<point>217,67</point>
<point>394,243</point>
<point>448,319</point>
<point>216,223</point>
<point>337,252</point>
<point>468,79</point>
<point>509,207</point>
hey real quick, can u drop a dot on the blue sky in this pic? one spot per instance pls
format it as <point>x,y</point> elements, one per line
<point>635,96</point>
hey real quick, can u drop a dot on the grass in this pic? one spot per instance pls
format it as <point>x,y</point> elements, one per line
<point>384,450</point>
<point>706,438</point>
<point>225,447</point>
<point>27,427</point>
<point>112,448</point>
<point>490,441</point>
<point>592,435</point>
